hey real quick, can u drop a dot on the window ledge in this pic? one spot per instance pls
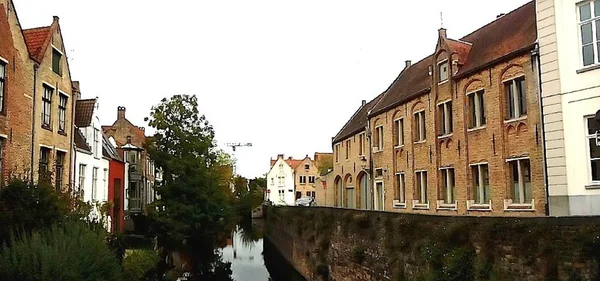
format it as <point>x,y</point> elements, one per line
<point>399,146</point>
<point>443,81</point>
<point>588,68</point>
<point>62,133</point>
<point>398,205</point>
<point>594,185</point>
<point>420,206</point>
<point>476,128</point>
<point>445,136</point>
<point>377,151</point>
<point>515,119</point>
<point>46,127</point>
<point>421,141</point>
<point>446,206</point>
<point>472,206</point>
<point>509,206</point>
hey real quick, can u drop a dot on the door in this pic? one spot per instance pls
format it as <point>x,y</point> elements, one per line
<point>365,193</point>
<point>379,199</point>
<point>117,214</point>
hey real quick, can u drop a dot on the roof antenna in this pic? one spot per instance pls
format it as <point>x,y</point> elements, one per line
<point>441,20</point>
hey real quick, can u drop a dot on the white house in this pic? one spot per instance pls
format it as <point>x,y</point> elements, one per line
<point>91,168</point>
<point>569,50</point>
<point>280,181</point>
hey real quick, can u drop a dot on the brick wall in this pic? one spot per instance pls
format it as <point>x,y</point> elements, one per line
<point>349,245</point>
<point>348,170</point>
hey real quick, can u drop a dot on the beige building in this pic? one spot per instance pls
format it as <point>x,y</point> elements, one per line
<point>53,105</point>
<point>305,175</point>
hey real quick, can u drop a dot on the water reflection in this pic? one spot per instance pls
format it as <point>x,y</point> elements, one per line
<point>245,250</point>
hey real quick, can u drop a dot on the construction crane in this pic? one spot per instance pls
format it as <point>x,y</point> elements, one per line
<point>233,147</point>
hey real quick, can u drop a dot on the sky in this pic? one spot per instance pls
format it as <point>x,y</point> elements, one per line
<point>282,75</point>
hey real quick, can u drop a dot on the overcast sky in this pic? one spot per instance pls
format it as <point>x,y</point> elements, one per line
<point>284,75</point>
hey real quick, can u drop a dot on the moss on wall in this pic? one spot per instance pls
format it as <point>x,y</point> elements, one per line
<point>342,244</point>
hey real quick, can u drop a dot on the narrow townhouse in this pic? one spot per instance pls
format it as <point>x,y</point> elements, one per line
<point>91,165</point>
<point>305,176</point>
<point>16,84</point>
<point>116,185</point>
<point>460,132</point>
<point>569,47</point>
<point>129,141</point>
<point>52,124</point>
<point>352,184</point>
<point>281,179</point>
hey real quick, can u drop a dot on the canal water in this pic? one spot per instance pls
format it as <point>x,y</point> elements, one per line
<point>254,259</point>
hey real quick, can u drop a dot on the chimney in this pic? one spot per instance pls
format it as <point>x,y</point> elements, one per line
<point>364,102</point>
<point>442,32</point>
<point>500,15</point>
<point>290,158</point>
<point>120,112</point>
<point>279,156</point>
<point>408,63</point>
<point>55,18</point>
<point>76,89</point>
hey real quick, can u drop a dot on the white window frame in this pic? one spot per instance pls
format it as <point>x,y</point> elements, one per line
<point>311,179</point>
<point>348,148</point>
<point>595,40</point>
<point>480,116</point>
<point>361,144</point>
<point>3,65</point>
<point>337,152</point>
<point>399,132</point>
<point>508,203</point>
<point>449,195</point>
<point>302,179</point>
<point>94,183</point>
<point>515,95</point>
<point>439,70</point>
<point>62,112</point>
<point>421,127</point>
<point>446,119</point>
<point>281,181</point>
<point>44,109</point>
<point>376,195</point>
<point>379,132</point>
<point>82,168</point>
<point>400,188</point>
<point>474,203</point>
<point>281,193</point>
<point>376,173</point>
<point>421,184</point>
<point>589,153</point>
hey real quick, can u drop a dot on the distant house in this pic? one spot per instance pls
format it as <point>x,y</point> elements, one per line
<point>117,180</point>
<point>280,181</point>
<point>91,167</point>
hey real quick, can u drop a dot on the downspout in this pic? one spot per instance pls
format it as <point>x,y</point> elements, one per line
<point>371,191</point>
<point>73,165</point>
<point>535,57</point>
<point>33,103</point>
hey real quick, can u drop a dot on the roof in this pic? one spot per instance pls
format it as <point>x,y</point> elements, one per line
<point>411,82</point>
<point>108,150</point>
<point>513,32</point>
<point>35,38</point>
<point>358,121</point>
<point>294,163</point>
<point>80,141</point>
<point>84,112</point>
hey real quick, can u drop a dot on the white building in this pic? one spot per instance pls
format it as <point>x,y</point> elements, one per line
<point>280,181</point>
<point>91,168</point>
<point>569,49</point>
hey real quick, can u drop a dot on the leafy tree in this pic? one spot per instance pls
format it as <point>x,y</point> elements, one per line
<point>72,251</point>
<point>194,205</point>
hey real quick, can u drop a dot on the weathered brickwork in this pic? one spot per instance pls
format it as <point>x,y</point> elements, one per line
<point>15,118</point>
<point>350,165</point>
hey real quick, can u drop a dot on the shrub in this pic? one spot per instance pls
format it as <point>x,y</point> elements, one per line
<point>69,252</point>
<point>358,255</point>
<point>138,263</point>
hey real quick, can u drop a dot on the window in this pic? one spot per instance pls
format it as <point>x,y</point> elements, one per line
<point>420,134</point>
<point>476,109</point>
<point>592,128</point>
<point>82,177</point>
<point>272,181</point>
<point>281,166</point>
<point>94,183</point>
<point>62,113</point>
<point>445,111</point>
<point>281,180</point>
<point>44,172</point>
<point>399,132</point>
<point>47,106</point>
<point>421,192</point>
<point>348,142</point>
<point>589,26</point>
<point>2,82</point>
<point>379,138</point>
<point>516,100</point>
<point>60,162</point>
<point>400,188</point>
<point>521,181</point>
<point>56,55</point>
<point>95,148</point>
<point>448,189</point>
<point>481,184</point>
<point>311,179</point>
<point>306,167</point>
<point>337,153</point>
<point>379,172</point>
<point>443,71</point>
<point>281,195</point>
<point>302,179</point>
<point>105,178</point>
<point>361,144</point>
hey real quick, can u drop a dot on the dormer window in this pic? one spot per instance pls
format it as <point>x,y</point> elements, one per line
<point>443,71</point>
<point>306,167</point>
<point>56,56</point>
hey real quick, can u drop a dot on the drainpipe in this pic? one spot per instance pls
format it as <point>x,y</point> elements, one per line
<point>535,57</point>
<point>35,72</point>
<point>371,191</point>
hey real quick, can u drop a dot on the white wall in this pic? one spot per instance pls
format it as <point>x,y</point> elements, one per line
<point>273,185</point>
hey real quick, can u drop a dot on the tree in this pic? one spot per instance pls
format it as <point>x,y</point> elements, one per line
<point>194,205</point>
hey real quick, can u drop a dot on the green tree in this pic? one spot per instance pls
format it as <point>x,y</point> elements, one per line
<point>194,206</point>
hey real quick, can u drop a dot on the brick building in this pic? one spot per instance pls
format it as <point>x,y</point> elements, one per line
<point>305,176</point>
<point>130,140</point>
<point>456,133</point>
<point>16,83</point>
<point>53,105</point>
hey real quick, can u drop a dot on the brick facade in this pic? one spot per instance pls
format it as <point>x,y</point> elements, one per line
<point>306,187</point>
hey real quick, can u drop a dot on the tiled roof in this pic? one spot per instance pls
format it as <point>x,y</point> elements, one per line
<point>35,38</point>
<point>515,31</point>
<point>358,121</point>
<point>84,112</point>
<point>108,150</point>
<point>292,162</point>
<point>80,141</point>
<point>461,48</point>
<point>411,82</point>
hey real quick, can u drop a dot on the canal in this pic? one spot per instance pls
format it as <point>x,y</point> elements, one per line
<point>254,259</point>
